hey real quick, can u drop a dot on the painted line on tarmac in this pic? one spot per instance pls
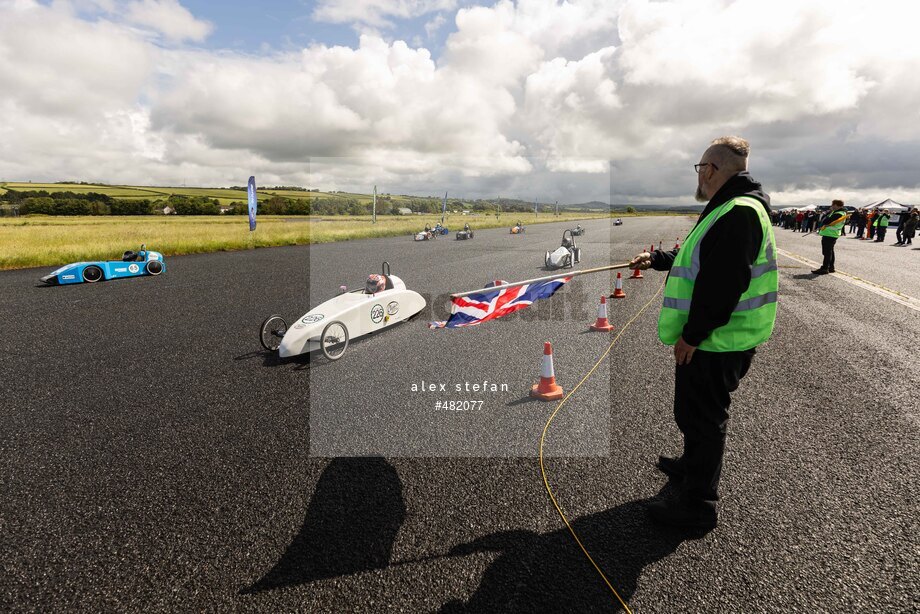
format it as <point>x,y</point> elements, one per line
<point>891,295</point>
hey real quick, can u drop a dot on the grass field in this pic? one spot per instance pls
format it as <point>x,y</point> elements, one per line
<point>51,241</point>
<point>224,195</point>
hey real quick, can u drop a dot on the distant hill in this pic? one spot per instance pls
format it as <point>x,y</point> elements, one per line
<point>297,200</point>
<point>599,205</point>
<point>693,208</point>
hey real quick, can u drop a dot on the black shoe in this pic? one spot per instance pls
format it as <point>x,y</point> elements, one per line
<point>831,271</point>
<point>821,271</point>
<point>681,512</point>
<point>672,467</point>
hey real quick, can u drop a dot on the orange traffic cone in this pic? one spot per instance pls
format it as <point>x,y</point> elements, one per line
<point>547,389</point>
<point>677,245</point>
<point>651,248</point>
<point>602,324</point>
<point>618,288</point>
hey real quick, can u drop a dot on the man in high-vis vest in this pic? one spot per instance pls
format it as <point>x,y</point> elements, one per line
<point>719,304</point>
<point>881,222</point>
<point>830,230</point>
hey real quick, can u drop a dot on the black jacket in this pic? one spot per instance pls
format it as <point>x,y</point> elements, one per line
<point>830,216</point>
<point>727,253</point>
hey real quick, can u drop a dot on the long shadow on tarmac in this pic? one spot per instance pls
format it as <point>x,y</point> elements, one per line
<point>350,525</point>
<point>548,573</point>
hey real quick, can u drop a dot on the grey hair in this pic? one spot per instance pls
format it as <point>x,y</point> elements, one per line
<point>730,152</point>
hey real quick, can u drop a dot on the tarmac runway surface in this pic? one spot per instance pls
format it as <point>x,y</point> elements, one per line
<point>155,458</point>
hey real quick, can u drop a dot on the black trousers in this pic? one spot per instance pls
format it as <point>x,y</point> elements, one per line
<point>701,399</point>
<point>880,233</point>
<point>827,250</point>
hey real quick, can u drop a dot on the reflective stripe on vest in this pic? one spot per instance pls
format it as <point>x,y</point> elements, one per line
<point>751,303</point>
<point>752,319</point>
<point>834,226</point>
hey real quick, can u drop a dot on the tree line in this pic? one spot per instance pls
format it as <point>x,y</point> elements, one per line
<point>95,203</point>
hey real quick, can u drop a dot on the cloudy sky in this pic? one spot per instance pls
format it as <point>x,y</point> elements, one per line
<point>536,99</point>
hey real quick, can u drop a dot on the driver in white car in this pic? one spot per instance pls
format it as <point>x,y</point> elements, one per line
<point>375,284</point>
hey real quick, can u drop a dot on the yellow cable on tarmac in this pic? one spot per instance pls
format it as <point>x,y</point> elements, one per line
<point>543,439</point>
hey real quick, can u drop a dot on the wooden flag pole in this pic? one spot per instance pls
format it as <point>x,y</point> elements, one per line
<point>547,278</point>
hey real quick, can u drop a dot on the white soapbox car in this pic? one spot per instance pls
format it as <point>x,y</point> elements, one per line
<point>381,303</point>
<point>566,255</point>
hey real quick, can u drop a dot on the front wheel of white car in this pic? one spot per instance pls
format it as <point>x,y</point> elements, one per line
<point>272,332</point>
<point>546,260</point>
<point>334,340</point>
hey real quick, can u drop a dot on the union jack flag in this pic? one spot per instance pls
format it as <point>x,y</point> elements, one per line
<point>478,308</point>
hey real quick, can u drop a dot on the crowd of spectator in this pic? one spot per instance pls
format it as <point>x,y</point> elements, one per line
<point>864,224</point>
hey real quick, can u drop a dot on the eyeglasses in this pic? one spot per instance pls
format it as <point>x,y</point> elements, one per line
<point>699,167</point>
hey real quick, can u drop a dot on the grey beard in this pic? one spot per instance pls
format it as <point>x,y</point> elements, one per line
<point>699,195</point>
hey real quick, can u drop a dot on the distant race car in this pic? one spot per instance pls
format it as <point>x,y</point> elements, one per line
<point>618,222</point>
<point>440,230</point>
<point>466,233</point>
<point>425,235</point>
<point>578,230</point>
<point>132,264</point>
<point>518,228</point>
<point>566,255</point>
<point>382,302</point>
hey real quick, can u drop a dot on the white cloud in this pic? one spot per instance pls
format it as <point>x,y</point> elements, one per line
<point>53,63</point>
<point>169,18</point>
<point>433,25</point>
<point>534,96</point>
<point>334,101</point>
<point>377,13</point>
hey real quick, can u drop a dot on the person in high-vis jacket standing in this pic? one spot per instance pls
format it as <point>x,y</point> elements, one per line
<point>830,229</point>
<point>719,305</point>
<point>881,225</point>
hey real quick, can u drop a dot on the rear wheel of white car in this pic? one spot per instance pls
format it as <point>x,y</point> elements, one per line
<point>272,332</point>
<point>577,254</point>
<point>334,340</point>
<point>154,267</point>
<point>92,274</point>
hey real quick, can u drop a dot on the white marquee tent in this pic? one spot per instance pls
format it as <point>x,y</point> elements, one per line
<point>887,204</point>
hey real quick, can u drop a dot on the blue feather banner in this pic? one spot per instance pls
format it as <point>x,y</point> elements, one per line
<point>253,203</point>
